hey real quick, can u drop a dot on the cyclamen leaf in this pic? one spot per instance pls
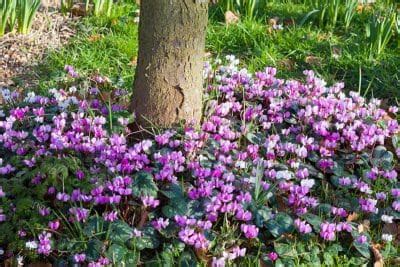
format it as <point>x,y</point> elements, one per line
<point>282,223</point>
<point>144,185</point>
<point>116,253</point>
<point>120,232</point>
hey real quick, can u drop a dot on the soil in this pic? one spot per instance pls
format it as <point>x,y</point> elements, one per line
<point>19,54</point>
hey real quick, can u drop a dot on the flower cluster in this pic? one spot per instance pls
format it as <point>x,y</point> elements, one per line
<point>271,156</point>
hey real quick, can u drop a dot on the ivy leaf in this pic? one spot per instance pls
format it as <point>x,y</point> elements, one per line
<point>314,220</point>
<point>148,240</point>
<point>120,232</point>
<point>144,185</point>
<point>116,253</point>
<point>363,248</point>
<point>94,249</point>
<point>282,223</point>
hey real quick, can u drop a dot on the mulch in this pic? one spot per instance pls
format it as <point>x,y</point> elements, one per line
<point>19,54</point>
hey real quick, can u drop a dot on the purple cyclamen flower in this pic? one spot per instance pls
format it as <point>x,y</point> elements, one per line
<point>2,194</point>
<point>302,226</point>
<point>44,246</point>
<point>79,257</point>
<point>160,223</point>
<point>273,256</point>
<point>110,216</point>
<point>80,214</point>
<point>149,201</point>
<point>54,225</point>
<point>396,192</point>
<point>361,239</point>
<point>327,231</point>
<point>44,211</point>
<point>396,205</point>
<point>368,205</point>
<point>250,231</point>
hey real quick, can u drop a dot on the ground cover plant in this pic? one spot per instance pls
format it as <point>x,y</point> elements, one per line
<point>281,172</point>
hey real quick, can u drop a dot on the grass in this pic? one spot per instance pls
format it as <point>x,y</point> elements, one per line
<point>109,46</point>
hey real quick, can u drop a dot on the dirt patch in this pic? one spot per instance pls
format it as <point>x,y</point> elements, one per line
<point>21,53</point>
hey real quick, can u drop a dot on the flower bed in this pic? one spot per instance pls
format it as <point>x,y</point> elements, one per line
<point>283,172</point>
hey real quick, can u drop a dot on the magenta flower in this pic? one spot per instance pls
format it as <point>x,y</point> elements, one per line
<point>302,226</point>
<point>327,231</point>
<point>273,256</point>
<point>250,231</point>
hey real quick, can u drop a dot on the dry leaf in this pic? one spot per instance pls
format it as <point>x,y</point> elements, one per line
<point>286,64</point>
<point>364,226</point>
<point>313,60</point>
<point>133,61</point>
<point>352,217</point>
<point>231,18</point>
<point>336,52</point>
<point>377,255</point>
<point>79,10</point>
<point>94,37</point>
<point>273,21</point>
<point>288,22</point>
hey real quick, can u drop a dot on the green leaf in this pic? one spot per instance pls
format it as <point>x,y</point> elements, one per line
<point>363,249</point>
<point>285,250</point>
<point>148,239</point>
<point>120,232</point>
<point>187,260</point>
<point>94,249</point>
<point>94,225</point>
<point>116,253</point>
<point>262,216</point>
<point>144,185</point>
<point>282,223</point>
<point>131,259</point>
<point>314,220</point>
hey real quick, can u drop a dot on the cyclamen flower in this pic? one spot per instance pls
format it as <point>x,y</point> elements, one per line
<point>160,223</point>
<point>80,257</point>
<point>343,226</point>
<point>44,246</point>
<point>387,237</point>
<point>31,245</point>
<point>54,225</point>
<point>396,205</point>
<point>362,239</point>
<point>273,256</point>
<point>110,216</point>
<point>302,226</point>
<point>327,231</point>
<point>368,205</point>
<point>149,201</point>
<point>80,214</point>
<point>250,231</point>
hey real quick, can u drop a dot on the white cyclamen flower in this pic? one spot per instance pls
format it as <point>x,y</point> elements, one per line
<point>307,183</point>
<point>31,245</point>
<point>1,251</point>
<point>20,260</point>
<point>387,218</point>
<point>387,237</point>
<point>287,175</point>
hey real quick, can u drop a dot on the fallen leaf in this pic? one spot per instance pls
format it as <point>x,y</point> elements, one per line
<point>273,21</point>
<point>231,18</point>
<point>336,52</point>
<point>288,22</point>
<point>94,37</point>
<point>79,10</point>
<point>352,217</point>
<point>377,255</point>
<point>287,64</point>
<point>364,226</point>
<point>313,60</point>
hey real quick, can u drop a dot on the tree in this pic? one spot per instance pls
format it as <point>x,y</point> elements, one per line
<point>168,80</point>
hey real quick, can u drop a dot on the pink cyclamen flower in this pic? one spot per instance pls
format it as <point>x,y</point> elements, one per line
<point>327,231</point>
<point>79,257</point>
<point>302,226</point>
<point>54,225</point>
<point>273,256</point>
<point>249,230</point>
<point>361,239</point>
<point>160,223</point>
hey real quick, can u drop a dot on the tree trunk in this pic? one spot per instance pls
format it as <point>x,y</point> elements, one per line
<point>168,80</point>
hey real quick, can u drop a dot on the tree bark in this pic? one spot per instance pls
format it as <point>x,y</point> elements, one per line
<point>168,80</point>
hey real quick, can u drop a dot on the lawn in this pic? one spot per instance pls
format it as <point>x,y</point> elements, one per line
<point>109,45</point>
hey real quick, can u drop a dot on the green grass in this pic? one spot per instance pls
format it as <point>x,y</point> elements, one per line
<point>109,45</point>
